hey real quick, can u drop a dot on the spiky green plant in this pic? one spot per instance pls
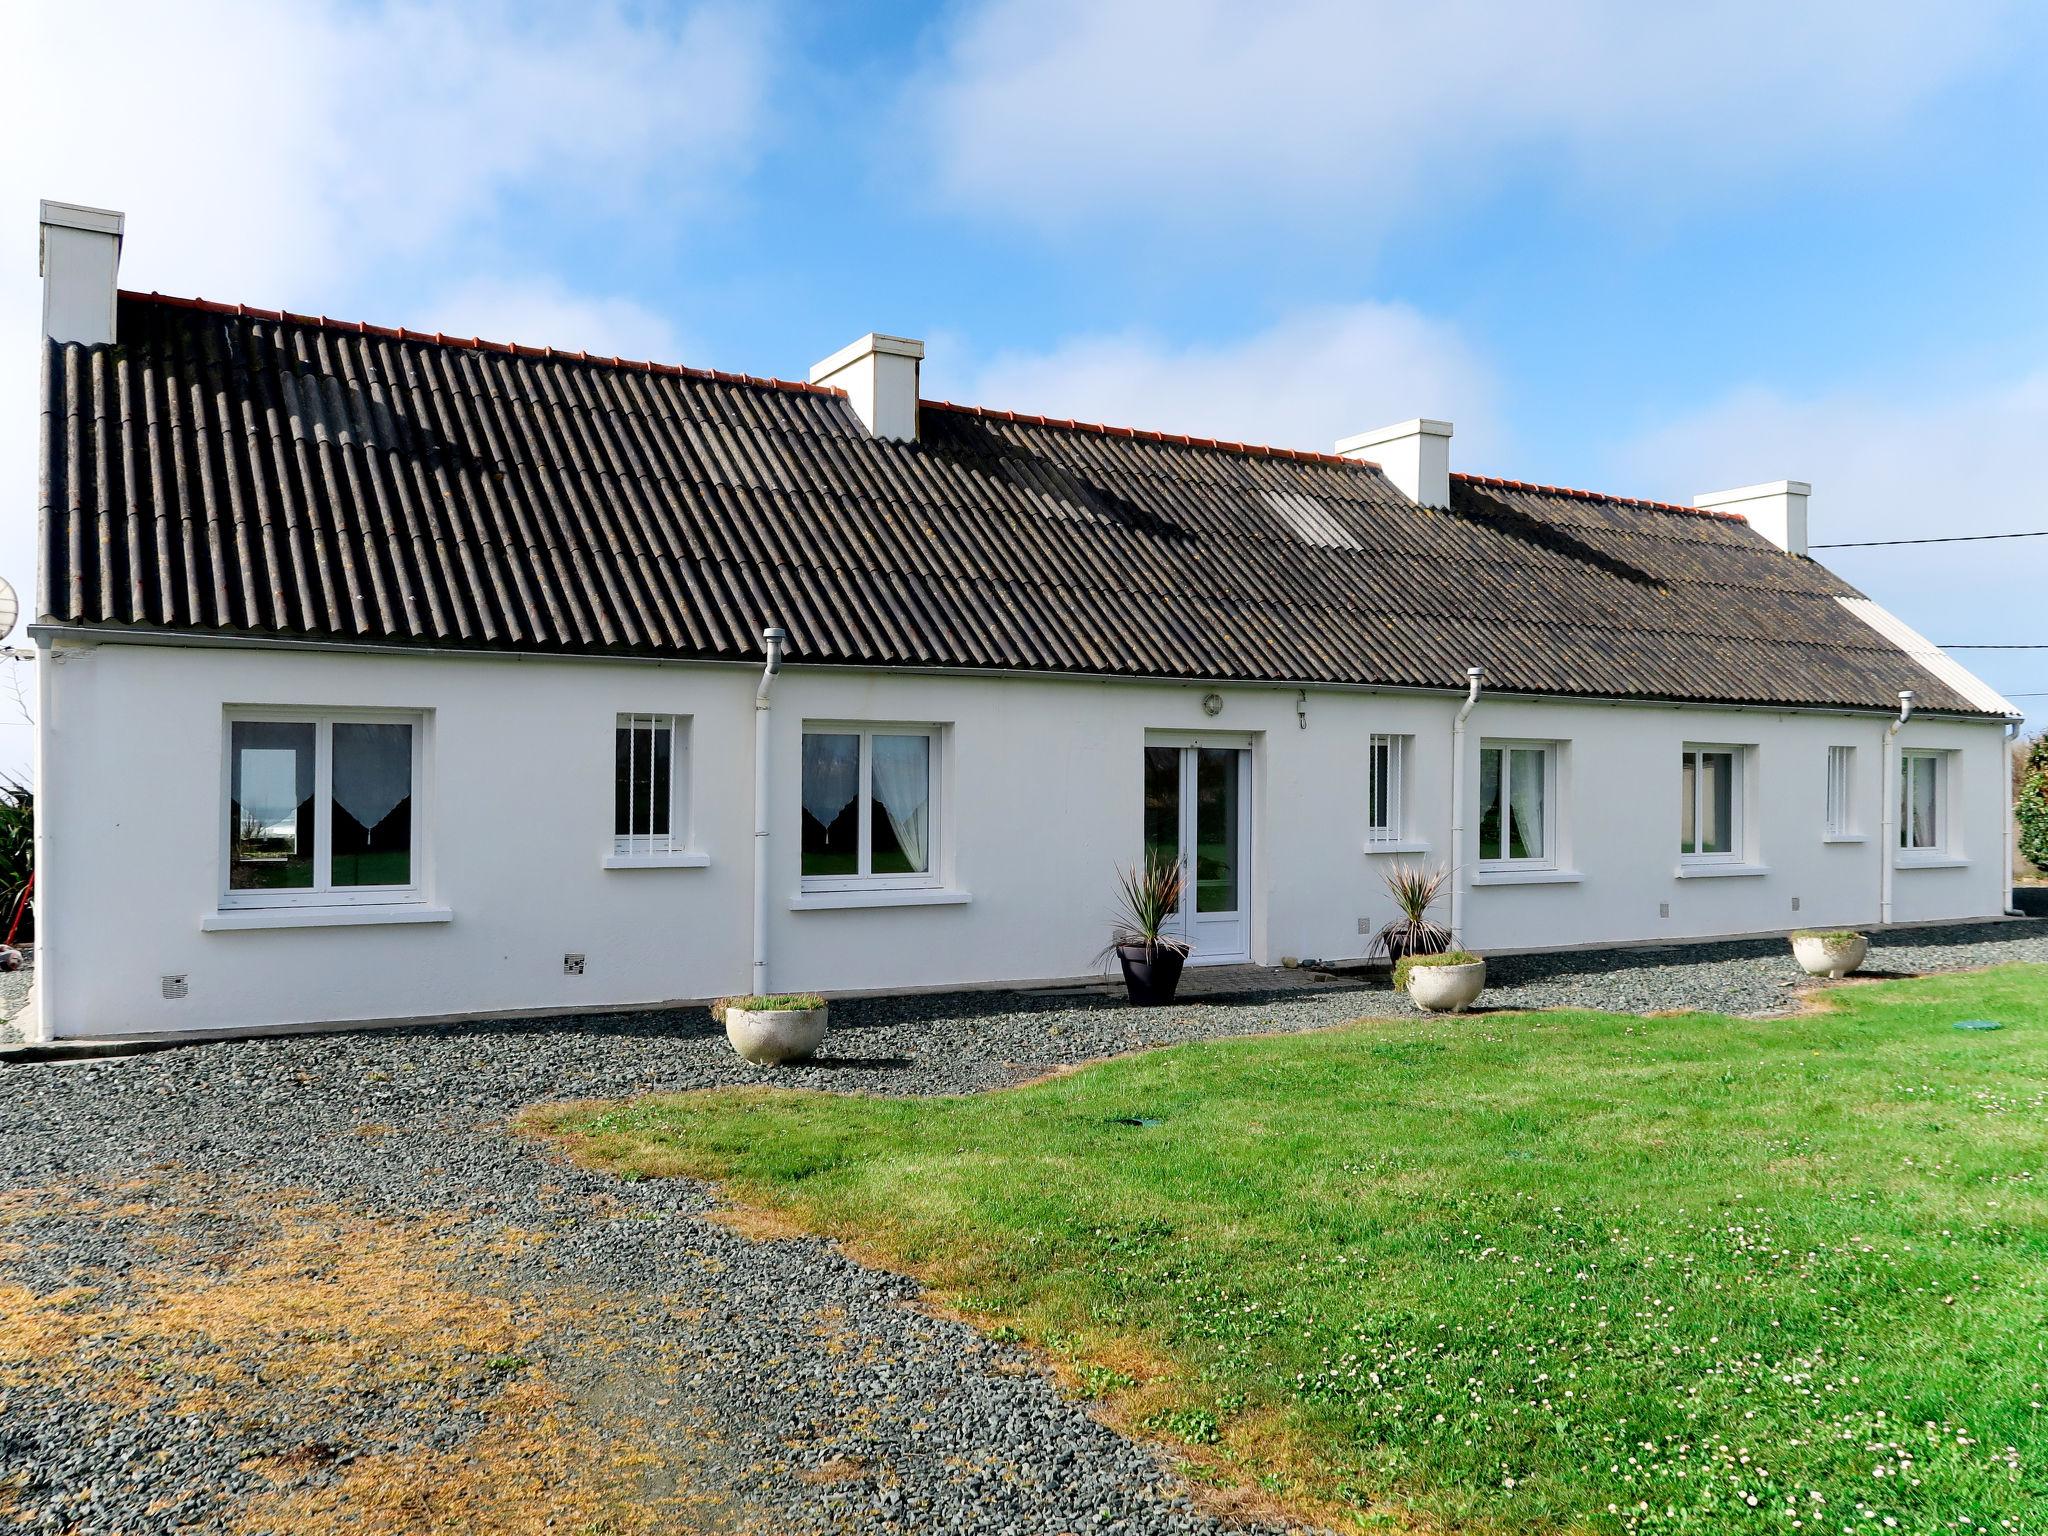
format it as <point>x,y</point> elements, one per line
<point>1148,895</point>
<point>17,854</point>
<point>1414,932</point>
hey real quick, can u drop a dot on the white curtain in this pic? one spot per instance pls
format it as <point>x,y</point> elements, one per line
<point>1525,803</point>
<point>1489,804</point>
<point>831,775</point>
<point>902,790</point>
<point>372,770</point>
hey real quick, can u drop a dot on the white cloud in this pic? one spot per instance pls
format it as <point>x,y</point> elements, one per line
<point>1060,111</point>
<point>1893,467</point>
<point>1310,378</point>
<point>542,312</point>
<point>296,155</point>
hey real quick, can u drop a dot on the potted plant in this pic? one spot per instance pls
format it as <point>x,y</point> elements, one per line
<point>1413,932</point>
<point>1148,896</point>
<point>769,1031</point>
<point>1832,953</point>
<point>1449,981</point>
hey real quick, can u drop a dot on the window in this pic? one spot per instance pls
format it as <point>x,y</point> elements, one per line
<point>1385,760</point>
<point>868,806</point>
<point>1517,784</point>
<point>650,786</point>
<point>1923,797</point>
<point>1841,792</point>
<point>1710,805</point>
<point>320,810</point>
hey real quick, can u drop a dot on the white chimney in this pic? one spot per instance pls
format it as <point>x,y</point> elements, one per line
<point>1416,456</point>
<point>1776,509</point>
<point>879,375</point>
<point>81,255</point>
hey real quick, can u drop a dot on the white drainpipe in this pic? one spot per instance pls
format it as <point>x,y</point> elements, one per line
<point>2012,734</point>
<point>1472,679</point>
<point>772,640</point>
<point>1888,811</point>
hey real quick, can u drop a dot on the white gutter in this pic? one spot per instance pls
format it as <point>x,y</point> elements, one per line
<point>1888,809</point>
<point>2012,734</point>
<point>1472,679</point>
<point>771,640</point>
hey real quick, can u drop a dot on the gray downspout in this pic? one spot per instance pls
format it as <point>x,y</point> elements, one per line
<point>771,640</point>
<point>1889,785</point>
<point>2012,734</point>
<point>1473,675</point>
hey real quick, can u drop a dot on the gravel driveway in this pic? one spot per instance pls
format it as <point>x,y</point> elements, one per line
<point>309,1284</point>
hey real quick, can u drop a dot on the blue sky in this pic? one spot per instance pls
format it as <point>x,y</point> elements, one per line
<point>1654,250</point>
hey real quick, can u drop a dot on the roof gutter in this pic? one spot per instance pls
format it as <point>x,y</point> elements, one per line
<point>97,634</point>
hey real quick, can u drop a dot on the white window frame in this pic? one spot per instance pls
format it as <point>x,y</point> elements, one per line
<point>1553,812</point>
<point>323,893</point>
<point>935,736</point>
<point>634,847</point>
<point>1390,831</point>
<point>1942,848</point>
<point>1841,798</point>
<point>1738,824</point>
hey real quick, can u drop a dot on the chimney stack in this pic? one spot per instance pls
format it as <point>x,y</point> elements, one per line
<point>81,259</point>
<point>1775,509</point>
<point>879,375</point>
<point>1416,456</point>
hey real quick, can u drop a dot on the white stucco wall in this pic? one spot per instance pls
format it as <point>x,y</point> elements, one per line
<point>1041,799</point>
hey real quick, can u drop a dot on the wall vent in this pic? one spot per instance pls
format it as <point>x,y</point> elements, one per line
<point>176,987</point>
<point>572,965</point>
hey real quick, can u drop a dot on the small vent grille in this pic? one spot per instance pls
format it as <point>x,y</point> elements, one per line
<point>1310,521</point>
<point>176,987</point>
<point>572,965</point>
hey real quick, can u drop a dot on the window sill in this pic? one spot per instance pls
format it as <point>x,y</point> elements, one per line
<point>1846,837</point>
<point>657,861</point>
<point>912,896</point>
<point>322,917</point>
<point>1527,877</point>
<point>1397,845</point>
<point>1930,861</point>
<point>1721,871</point>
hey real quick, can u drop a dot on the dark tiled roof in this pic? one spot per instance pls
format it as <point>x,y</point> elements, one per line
<point>231,470</point>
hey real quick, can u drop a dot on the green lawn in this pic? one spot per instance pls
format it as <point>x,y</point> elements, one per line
<point>1528,1272</point>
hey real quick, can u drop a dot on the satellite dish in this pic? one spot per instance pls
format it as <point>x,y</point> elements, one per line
<point>10,608</point>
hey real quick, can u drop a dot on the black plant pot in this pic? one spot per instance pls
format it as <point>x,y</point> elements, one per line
<point>1151,973</point>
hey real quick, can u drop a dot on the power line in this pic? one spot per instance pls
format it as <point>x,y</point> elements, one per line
<point>1956,538</point>
<point>1995,647</point>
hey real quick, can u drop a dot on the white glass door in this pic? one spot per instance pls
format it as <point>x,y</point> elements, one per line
<point>1198,811</point>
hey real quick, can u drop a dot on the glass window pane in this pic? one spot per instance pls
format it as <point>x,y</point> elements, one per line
<point>1377,766</point>
<point>1162,805</point>
<point>900,840</point>
<point>644,779</point>
<point>831,816</point>
<point>1922,808</point>
<point>1216,830</point>
<point>270,810</point>
<point>1489,803</point>
<point>1688,803</point>
<point>372,826</point>
<point>1717,802</point>
<point>1525,807</point>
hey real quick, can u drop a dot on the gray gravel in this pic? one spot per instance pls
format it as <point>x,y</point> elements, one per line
<point>919,1423</point>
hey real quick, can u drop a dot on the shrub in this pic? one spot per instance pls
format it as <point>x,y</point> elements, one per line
<point>2032,807</point>
<point>1830,938</point>
<point>1415,890</point>
<point>1408,963</point>
<point>17,855</point>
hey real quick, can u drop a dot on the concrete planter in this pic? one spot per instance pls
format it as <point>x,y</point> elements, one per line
<point>771,1036</point>
<point>1817,957</point>
<point>1446,988</point>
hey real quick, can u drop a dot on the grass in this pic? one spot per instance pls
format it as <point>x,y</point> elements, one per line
<point>1517,1272</point>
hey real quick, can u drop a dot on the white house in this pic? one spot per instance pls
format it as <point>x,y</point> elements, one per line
<point>391,675</point>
